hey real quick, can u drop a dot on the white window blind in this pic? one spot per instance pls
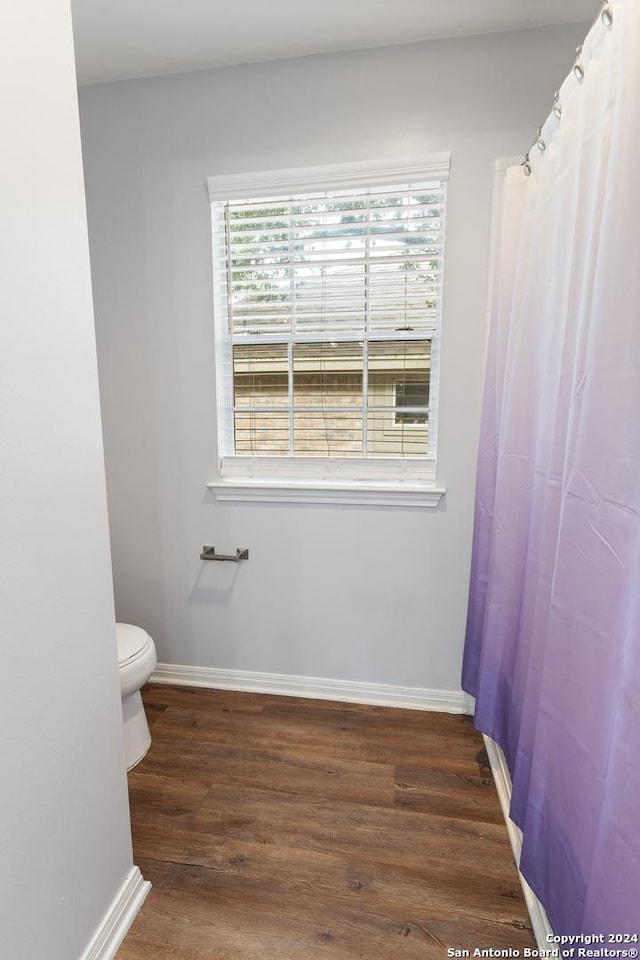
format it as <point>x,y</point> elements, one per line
<point>328,304</point>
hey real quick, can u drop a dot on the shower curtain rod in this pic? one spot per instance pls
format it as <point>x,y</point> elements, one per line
<point>606,17</point>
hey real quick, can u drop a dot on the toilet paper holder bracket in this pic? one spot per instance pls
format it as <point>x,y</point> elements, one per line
<point>209,553</point>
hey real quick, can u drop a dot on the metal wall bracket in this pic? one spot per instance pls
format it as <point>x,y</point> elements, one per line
<point>209,553</point>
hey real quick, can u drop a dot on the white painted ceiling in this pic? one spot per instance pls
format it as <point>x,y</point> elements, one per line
<point>123,39</point>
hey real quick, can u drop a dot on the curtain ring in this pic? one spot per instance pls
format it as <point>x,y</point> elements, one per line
<point>557,106</point>
<point>541,145</point>
<point>578,67</point>
<point>607,15</point>
<point>526,166</point>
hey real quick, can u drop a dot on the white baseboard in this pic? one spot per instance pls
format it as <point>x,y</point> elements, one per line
<point>376,694</point>
<point>542,929</point>
<point>119,918</point>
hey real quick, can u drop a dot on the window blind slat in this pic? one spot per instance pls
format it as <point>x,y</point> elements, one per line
<point>264,268</point>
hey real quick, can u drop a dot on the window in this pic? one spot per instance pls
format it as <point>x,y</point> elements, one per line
<point>327,293</point>
<point>412,401</point>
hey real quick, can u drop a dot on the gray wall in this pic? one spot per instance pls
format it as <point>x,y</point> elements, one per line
<point>65,848</point>
<point>351,593</point>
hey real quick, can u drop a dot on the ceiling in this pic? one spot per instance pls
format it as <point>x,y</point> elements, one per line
<point>123,39</point>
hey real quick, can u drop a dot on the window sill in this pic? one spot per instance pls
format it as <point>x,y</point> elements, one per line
<point>332,492</point>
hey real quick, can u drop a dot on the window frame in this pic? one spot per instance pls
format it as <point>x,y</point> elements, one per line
<point>378,480</point>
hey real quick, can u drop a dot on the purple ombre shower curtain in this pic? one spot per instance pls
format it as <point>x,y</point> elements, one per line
<point>553,638</point>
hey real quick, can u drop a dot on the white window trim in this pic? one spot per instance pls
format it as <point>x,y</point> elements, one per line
<point>242,186</point>
<point>409,483</point>
<point>379,495</point>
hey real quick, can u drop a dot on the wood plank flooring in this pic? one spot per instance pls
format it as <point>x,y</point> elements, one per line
<point>276,828</point>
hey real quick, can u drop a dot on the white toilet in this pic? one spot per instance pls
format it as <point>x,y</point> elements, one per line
<point>137,659</point>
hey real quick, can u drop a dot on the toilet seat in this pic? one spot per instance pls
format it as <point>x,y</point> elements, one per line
<point>136,657</point>
<point>132,643</point>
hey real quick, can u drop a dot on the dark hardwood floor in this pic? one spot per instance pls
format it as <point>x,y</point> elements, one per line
<point>275,828</point>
